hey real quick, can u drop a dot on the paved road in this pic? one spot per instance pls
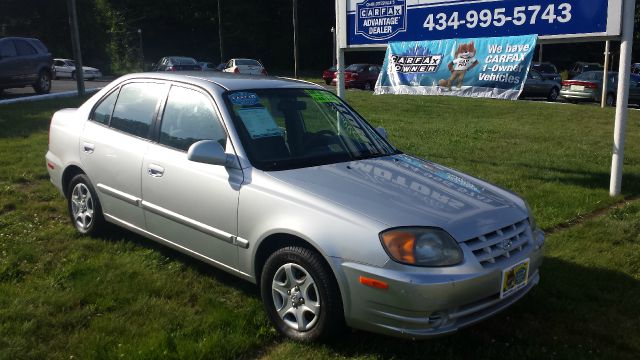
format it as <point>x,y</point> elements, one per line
<point>56,87</point>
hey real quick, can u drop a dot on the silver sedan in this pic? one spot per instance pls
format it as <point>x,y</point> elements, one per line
<point>283,184</point>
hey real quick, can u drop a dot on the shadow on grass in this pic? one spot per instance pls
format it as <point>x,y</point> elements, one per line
<point>589,179</point>
<point>116,234</point>
<point>575,313</point>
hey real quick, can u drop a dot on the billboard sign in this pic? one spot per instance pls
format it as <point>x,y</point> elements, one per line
<point>479,67</point>
<point>374,23</point>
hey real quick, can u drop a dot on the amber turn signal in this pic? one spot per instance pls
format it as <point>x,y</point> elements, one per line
<point>373,283</point>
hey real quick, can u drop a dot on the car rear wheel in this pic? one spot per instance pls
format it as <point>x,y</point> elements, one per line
<point>611,100</point>
<point>368,86</point>
<point>84,207</point>
<point>553,94</point>
<point>300,295</point>
<point>43,84</point>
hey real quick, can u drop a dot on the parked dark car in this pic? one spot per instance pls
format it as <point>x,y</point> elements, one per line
<point>547,70</point>
<point>363,76</point>
<point>588,87</point>
<point>537,85</point>
<point>177,63</point>
<point>328,75</point>
<point>25,62</point>
<point>583,67</point>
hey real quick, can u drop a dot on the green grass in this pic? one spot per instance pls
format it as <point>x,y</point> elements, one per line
<point>122,296</point>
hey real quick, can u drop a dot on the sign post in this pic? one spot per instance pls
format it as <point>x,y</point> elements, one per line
<point>622,101</point>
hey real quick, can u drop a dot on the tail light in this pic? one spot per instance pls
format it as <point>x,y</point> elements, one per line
<point>586,84</point>
<point>264,72</point>
<point>171,68</point>
<point>236,70</point>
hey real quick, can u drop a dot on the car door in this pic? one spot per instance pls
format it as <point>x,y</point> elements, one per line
<point>9,63</point>
<point>28,56</point>
<point>113,144</point>
<point>189,204</point>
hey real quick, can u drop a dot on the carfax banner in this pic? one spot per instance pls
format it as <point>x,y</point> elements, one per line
<point>486,67</point>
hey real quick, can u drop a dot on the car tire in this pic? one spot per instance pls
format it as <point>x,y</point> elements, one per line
<point>611,99</point>
<point>553,94</point>
<point>328,82</point>
<point>84,206</point>
<point>43,84</point>
<point>301,296</point>
<point>367,86</point>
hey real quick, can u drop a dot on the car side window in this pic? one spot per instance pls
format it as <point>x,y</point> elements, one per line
<point>188,118</point>
<point>7,49</point>
<point>59,63</point>
<point>136,108</point>
<point>24,48</point>
<point>102,112</point>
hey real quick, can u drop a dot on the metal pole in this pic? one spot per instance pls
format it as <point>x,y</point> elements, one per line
<point>220,31</point>
<point>295,38</point>
<point>605,75</point>
<point>622,102</point>
<point>540,54</point>
<point>75,43</point>
<point>141,51</point>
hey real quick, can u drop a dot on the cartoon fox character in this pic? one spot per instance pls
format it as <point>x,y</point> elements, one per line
<point>464,60</point>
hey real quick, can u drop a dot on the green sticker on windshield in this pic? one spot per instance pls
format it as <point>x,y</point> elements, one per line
<point>322,96</point>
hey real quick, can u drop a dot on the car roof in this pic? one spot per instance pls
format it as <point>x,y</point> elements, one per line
<point>226,81</point>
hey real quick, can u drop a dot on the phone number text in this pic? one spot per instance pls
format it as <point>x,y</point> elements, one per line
<point>519,16</point>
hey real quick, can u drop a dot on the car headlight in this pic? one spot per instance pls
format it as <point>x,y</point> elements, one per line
<point>421,246</point>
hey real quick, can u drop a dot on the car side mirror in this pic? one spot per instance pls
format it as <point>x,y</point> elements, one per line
<point>382,132</point>
<point>207,152</point>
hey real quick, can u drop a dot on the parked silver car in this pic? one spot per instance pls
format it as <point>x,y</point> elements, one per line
<point>283,184</point>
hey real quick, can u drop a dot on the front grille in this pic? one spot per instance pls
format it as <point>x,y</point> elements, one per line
<point>498,246</point>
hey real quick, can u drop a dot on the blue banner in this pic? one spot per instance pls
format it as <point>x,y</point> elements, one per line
<point>380,21</point>
<point>488,67</point>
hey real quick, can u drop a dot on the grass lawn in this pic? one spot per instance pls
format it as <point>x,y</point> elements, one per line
<point>63,295</point>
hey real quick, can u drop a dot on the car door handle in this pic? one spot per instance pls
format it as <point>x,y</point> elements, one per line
<point>88,147</point>
<point>155,170</point>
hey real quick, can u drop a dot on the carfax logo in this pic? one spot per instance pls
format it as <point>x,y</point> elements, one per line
<point>416,64</point>
<point>381,19</point>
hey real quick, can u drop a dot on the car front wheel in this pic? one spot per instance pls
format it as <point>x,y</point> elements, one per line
<point>611,100</point>
<point>84,207</point>
<point>43,84</point>
<point>300,295</point>
<point>553,94</point>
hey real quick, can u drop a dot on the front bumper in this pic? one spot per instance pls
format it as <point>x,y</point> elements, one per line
<point>418,305</point>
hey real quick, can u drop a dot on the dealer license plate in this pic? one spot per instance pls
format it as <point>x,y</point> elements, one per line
<point>514,278</point>
<point>577,87</point>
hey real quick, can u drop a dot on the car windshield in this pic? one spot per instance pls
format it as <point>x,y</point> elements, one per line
<point>247,62</point>
<point>355,67</point>
<point>184,61</point>
<point>283,129</point>
<point>545,68</point>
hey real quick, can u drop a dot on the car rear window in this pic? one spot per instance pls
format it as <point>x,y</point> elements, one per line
<point>136,108</point>
<point>247,62</point>
<point>102,112</point>
<point>545,68</point>
<point>184,61</point>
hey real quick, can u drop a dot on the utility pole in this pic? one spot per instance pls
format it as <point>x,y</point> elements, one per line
<point>605,76</point>
<point>75,43</point>
<point>141,51</point>
<point>295,38</point>
<point>220,31</point>
<point>333,51</point>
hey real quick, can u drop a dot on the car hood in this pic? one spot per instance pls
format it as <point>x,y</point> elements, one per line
<point>401,190</point>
